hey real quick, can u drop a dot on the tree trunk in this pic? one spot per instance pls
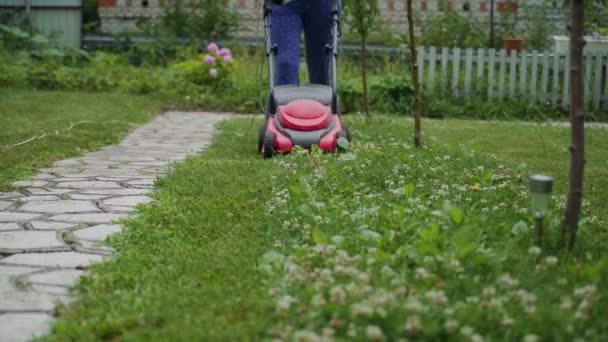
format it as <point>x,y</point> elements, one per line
<point>414,54</point>
<point>577,121</point>
<point>492,24</point>
<point>364,75</point>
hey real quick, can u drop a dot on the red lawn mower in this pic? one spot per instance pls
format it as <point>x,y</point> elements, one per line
<point>301,115</point>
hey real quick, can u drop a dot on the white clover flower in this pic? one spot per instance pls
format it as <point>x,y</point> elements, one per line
<point>451,325</point>
<point>328,334</point>
<point>374,333</point>
<point>551,260</point>
<point>566,303</point>
<point>318,300</point>
<point>412,325</point>
<point>337,294</point>
<point>476,338</point>
<point>306,336</point>
<point>467,331</point>
<point>437,296</point>
<point>362,309</point>
<point>531,338</point>
<point>507,322</point>
<point>284,303</point>
<point>413,304</point>
<point>421,273</point>
<point>534,251</point>
<point>489,292</point>
<point>273,291</point>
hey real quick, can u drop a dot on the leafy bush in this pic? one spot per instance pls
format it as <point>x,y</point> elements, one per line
<point>453,30</point>
<point>389,93</point>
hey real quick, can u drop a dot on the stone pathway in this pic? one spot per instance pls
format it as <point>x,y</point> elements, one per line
<point>54,226</point>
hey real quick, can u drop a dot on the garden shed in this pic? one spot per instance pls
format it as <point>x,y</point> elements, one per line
<point>61,20</point>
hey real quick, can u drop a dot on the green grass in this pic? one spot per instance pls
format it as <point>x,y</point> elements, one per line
<point>65,124</point>
<point>430,244</point>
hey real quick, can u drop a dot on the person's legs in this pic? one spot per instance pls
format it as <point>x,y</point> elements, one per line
<point>286,30</point>
<point>317,32</point>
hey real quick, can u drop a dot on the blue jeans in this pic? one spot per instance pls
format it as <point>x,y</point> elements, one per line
<point>288,21</point>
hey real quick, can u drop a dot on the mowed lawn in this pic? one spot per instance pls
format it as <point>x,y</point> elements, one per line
<point>38,127</point>
<point>382,242</point>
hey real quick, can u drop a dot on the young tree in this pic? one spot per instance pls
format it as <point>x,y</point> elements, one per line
<point>412,41</point>
<point>361,18</point>
<point>577,120</point>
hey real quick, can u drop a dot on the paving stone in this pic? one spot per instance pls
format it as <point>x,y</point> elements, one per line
<point>59,207</point>
<point>141,183</point>
<point>117,192</point>
<point>21,327</point>
<point>58,278</point>
<point>56,259</point>
<point>49,191</point>
<point>25,301</point>
<point>6,271</point>
<point>88,218</point>
<point>87,197</point>
<point>7,195</point>
<point>128,200</point>
<point>9,226</point>
<point>51,289</point>
<point>89,185</point>
<point>97,233</point>
<point>34,183</point>
<point>9,216</point>
<point>39,198</point>
<point>50,225</point>
<point>27,240</point>
<point>118,208</point>
<point>5,204</point>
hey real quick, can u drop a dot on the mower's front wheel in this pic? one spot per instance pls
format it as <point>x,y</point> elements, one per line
<point>344,133</point>
<point>269,150</point>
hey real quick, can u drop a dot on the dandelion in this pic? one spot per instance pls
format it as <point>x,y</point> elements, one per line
<point>212,47</point>
<point>209,60</point>
<point>213,72</point>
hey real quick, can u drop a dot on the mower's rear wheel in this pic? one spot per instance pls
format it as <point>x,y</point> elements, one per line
<point>345,129</point>
<point>269,150</point>
<point>261,134</point>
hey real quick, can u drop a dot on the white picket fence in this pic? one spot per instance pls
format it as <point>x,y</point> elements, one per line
<point>535,76</point>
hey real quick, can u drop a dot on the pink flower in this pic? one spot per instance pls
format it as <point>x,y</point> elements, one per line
<point>212,47</point>
<point>209,60</point>
<point>228,59</point>
<point>213,72</point>
<point>225,52</point>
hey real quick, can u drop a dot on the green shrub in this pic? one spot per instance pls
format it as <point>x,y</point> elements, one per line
<point>453,30</point>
